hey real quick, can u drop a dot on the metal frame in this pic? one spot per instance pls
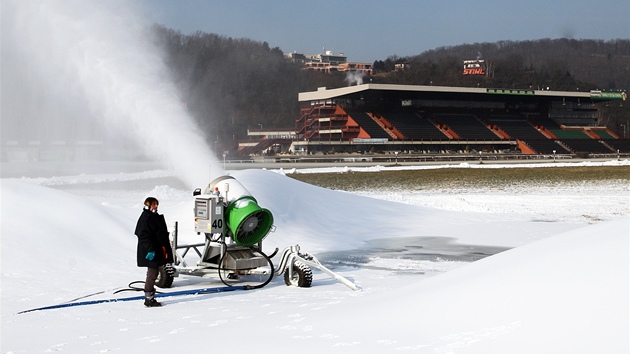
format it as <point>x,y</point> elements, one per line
<point>211,245</point>
<point>292,254</point>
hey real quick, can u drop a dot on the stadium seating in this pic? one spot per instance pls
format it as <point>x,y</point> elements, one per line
<point>603,134</point>
<point>586,145</point>
<point>546,146</point>
<point>621,145</point>
<point>467,126</point>
<point>414,126</point>
<point>368,124</point>
<point>534,134</point>
<point>516,127</point>
<point>570,134</point>
<point>545,122</point>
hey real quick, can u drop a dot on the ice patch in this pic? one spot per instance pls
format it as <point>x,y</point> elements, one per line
<point>413,264</point>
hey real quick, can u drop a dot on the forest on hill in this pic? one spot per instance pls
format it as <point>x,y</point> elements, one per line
<point>560,64</point>
<point>231,85</point>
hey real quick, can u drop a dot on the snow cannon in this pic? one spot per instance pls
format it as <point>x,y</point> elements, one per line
<point>247,222</point>
<point>234,226</point>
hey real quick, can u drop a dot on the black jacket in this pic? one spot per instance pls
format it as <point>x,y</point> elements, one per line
<point>153,237</point>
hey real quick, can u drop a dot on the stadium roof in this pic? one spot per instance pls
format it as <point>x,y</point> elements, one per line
<point>387,91</point>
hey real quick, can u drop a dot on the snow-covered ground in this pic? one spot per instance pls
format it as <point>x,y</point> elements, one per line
<point>557,279</point>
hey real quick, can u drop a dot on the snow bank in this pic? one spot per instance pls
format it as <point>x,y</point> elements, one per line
<point>567,292</point>
<point>53,240</point>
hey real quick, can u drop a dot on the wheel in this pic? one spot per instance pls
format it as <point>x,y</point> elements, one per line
<point>166,274</point>
<point>302,276</point>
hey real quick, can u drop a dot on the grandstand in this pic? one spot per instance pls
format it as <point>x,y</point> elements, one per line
<point>454,119</point>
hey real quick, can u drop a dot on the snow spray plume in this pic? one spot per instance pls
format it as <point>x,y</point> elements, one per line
<point>84,67</point>
<point>354,77</point>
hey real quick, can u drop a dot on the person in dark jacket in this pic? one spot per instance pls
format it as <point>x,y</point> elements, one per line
<point>154,249</point>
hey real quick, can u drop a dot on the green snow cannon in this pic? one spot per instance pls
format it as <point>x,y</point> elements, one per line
<point>248,223</point>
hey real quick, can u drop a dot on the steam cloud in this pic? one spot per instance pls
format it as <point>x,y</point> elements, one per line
<point>77,69</point>
<point>354,77</point>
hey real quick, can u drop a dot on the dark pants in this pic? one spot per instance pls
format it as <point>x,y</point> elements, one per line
<point>149,284</point>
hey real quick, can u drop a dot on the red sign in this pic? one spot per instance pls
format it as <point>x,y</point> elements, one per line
<point>474,67</point>
<point>474,71</point>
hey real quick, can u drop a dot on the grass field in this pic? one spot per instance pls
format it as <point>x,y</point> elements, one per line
<point>464,177</point>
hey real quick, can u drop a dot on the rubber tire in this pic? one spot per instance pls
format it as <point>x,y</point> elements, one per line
<point>302,276</point>
<point>164,280</point>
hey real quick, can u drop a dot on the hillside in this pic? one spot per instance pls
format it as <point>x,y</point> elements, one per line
<point>561,64</point>
<point>231,85</point>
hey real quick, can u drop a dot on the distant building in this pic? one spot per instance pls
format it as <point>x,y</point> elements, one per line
<point>267,141</point>
<point>401,66</point>
<point>328,62</point>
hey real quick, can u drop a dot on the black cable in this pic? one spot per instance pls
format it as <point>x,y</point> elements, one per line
<point>246,287</point>
<point>83,297</point>
<point>133,288</point>
<point>274,253</point>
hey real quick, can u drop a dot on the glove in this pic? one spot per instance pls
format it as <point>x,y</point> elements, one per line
<point>150,256</point>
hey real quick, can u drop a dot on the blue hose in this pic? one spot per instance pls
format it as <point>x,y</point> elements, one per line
<point>133,298</point>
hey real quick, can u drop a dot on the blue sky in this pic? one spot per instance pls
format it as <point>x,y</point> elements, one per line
<point>373,30</point>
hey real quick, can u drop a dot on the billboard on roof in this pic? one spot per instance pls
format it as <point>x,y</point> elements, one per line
<point>474,67</point>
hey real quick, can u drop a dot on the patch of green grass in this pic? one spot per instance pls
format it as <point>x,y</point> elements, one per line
<point>463,177</point>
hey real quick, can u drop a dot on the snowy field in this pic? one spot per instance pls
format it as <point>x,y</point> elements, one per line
<point>529,269</point>
<point>533,269</point>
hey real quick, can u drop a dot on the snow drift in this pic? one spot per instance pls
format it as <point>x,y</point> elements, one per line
<point>565,292</point>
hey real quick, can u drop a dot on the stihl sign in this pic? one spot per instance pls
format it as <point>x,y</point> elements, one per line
<point>474,67</point>
<point>477,71</point>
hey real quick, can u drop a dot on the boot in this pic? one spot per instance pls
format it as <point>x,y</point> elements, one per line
<point>149,299</point>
